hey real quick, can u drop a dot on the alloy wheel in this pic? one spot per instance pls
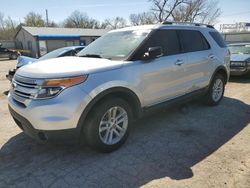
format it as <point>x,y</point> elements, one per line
<point>113,125</point>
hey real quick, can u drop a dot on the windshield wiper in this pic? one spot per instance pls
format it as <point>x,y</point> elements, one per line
<point>91,55</point>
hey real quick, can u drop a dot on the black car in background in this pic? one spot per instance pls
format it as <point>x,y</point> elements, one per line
<point>7,53</point>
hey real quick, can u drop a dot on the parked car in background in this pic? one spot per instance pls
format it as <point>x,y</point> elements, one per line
<point>7,53</point>
<point>240,58</point>
<point>116,79</point>
<point>61,52</point>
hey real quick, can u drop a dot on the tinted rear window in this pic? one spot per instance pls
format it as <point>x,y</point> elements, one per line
<point>193,41</point>
<point>218,39</point>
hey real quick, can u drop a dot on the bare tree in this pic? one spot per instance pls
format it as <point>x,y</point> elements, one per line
<point>79,19</point>
<point>2,24</point>
<point>34,20</point>
<point>142,18</point>
<point>8,28</point>
<point>211,13</point>
<point>204,11</point>
<point>163,9</point>
<point>52,24</point>
<point>115,23</point>
<point>10,24</point>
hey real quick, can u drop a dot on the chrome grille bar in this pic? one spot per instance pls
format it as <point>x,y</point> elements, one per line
<point>24,89</point>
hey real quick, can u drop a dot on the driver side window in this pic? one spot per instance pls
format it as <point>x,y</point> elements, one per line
<point>167,39</point>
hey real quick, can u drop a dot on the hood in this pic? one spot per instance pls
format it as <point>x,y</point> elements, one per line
<point>239,57</point>
<point>66,67</point>
<point>24,60</point>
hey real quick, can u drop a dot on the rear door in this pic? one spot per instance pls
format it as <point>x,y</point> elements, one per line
<point>199,55</point>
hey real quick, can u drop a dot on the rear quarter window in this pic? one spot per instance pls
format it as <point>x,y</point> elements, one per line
<point>218,39</point>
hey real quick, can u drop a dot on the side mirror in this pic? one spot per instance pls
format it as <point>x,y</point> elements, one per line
<point>153,52</point>
<point>74,53</point>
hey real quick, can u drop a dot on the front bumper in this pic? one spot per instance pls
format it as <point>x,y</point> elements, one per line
<point>239,71</point>
<point>58,136</point>
<point>238,68</point>
<point>10,74</point>
<point>59,113</point>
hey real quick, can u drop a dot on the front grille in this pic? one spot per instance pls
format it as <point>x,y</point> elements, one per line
<point>237,64</point>
<point>23,89</point>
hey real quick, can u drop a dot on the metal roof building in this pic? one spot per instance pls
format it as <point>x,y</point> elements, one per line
<point>40,40</point>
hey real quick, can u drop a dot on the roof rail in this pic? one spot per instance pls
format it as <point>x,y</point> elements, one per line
<point>187,23</point>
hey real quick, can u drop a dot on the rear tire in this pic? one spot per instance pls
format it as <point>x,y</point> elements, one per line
<point>108,124</point>
<point>216,91</point>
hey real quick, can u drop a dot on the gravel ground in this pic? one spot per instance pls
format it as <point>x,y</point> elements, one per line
<point>187,146</point>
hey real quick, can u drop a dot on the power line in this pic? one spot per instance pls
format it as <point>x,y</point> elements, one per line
<point>239,13</point>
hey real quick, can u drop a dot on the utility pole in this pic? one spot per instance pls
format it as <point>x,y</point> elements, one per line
<point>47,18</point>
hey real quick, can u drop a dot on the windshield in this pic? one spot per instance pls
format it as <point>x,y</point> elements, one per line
<point>115,45</point>
<point>53,54</point>
<point>240,49</point>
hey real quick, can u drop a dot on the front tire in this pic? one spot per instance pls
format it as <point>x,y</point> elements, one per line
<point>216,91</point>
<point>13,56</point>
<point>108,124</point>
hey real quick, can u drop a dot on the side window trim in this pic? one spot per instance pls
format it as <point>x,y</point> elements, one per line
<point>204,40</point>
<point>180,39</point>
<point>179,43</point>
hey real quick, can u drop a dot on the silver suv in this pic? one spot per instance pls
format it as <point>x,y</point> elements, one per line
<point>116,79</point>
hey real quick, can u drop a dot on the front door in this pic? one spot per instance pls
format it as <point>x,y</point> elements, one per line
<point>162,78</point>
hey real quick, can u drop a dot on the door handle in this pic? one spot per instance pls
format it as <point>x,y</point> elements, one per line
<point>211,56</point>
<point>179,62</point>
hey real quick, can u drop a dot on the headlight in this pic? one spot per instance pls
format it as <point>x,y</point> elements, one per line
<point>53,87</point>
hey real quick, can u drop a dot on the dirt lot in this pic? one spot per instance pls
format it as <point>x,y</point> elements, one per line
<point>188,146</point>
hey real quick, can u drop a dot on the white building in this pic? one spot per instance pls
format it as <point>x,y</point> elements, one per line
<point>40,40</point>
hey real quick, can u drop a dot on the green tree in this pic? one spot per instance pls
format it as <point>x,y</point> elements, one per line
<point>33,19</point>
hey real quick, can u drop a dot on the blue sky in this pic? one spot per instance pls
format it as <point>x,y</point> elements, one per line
<point>233,10</point>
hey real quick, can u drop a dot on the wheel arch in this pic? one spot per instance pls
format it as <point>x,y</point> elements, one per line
<point>121,92</point>
<point>220,70</point>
